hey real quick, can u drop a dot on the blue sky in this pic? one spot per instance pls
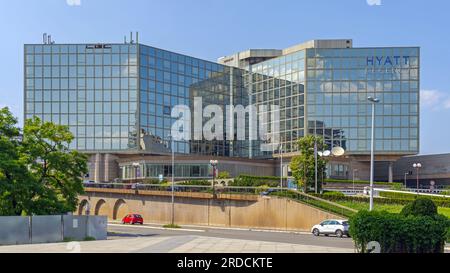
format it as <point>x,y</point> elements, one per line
<point>214,28</point>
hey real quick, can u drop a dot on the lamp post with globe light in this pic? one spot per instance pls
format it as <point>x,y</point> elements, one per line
<point>214,164</point>
<point>373,101</point>
<point>417,166</point>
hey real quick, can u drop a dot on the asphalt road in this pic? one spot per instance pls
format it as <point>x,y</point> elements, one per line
<point>118,230</point>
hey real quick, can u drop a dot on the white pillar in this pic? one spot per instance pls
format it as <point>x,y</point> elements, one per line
<point>391,172</point>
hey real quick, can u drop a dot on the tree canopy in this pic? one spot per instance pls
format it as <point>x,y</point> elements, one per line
<point>39,174</point>
<point>303,165</point>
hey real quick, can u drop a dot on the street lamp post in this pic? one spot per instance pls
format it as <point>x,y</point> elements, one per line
<point>315,164</point>
<point>353,178</point>
<point>136,165</point>
<point>214,165</point>
<point>417,166</point>
<point>373,101</point>
<point>173,179</point>
<point>405,179</point>
<point>281,166</point>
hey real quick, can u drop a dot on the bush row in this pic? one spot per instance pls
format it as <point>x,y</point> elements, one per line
<point>397,233</point>
<point>255,181</point>
<point>409,196</point>
<point>346,181</point>
<point>316,203</point>
<point>333,196</point>
<point>196,183</point>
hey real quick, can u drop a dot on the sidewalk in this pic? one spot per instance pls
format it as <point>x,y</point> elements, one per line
<point>172,244</point>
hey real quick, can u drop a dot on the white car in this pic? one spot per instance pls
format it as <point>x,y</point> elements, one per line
<point>332,226</point>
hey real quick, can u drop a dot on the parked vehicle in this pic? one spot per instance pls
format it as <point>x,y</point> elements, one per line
<point>332,226</point>
<point>133,219</point>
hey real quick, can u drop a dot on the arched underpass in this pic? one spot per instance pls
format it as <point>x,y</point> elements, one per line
<point>120,209</point>
<point>101,208</point>
<point>244,211</point>
<point>83,207</point>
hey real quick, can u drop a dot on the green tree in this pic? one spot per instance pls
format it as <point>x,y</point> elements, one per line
<point>38,174</point>
<point>16,184</point>
<point>57,169</point>
<point>303,165</point>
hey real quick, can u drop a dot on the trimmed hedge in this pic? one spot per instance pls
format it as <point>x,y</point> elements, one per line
<point>377,200</point>
<point>315,203</point>
<point>196,183</point>
<point>397,233</point>
<point>405,198</point>
<point>346,181</point>
<point>255,181</point>
<point>411,196</point>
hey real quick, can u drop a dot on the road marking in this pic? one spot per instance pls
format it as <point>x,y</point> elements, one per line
<point>227,228</point>
<point>252,229</point>
<point>163,228</point>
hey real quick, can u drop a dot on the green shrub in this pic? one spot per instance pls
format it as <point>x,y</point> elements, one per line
<point>420,207</point>
<point>333,194</point>
<point>347,181</point>
<point>261,189</point>
<point>439,201</point>
<point>152,181</point>
<point>330,207</point>
<point>89,238</point>
<point>223,175</point>
<point>255,181</point>
<point>397,233</point>
<point>196,183</point>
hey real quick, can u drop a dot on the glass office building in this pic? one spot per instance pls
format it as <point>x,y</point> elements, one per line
<point>325,91</point>
<point>118,98</point>
<point>109,93</point>
<point>93,89</point>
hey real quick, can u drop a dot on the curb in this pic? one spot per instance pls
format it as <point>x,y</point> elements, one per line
<point>216,227</point>
<point>153,227</point>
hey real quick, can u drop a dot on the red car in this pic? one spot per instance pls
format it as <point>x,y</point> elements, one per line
<point>133,219</point>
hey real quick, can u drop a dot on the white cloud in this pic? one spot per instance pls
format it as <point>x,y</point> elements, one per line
<point>447,104</point>
<point>73,2</point>
<point>434,99</point>
<point>374,2</point>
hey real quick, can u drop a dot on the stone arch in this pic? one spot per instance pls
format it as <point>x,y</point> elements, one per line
<point>84,204</point>
<point>120,209</point>
<point>101,208</point>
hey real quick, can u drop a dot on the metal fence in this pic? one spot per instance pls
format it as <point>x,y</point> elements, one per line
<point>186,188</point>
<point>50,229</point>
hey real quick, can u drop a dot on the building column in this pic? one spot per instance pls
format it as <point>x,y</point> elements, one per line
<point>107,160</point>
<point>391,172</point>
<point>98,168</point>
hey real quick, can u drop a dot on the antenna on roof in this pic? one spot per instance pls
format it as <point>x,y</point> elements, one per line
<point>131,37</point>
<point>44,38</point>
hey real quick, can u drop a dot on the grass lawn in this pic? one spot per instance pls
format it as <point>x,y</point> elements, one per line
<point>389,208</point>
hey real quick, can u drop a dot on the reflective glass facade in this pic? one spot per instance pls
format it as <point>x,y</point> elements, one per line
<point>91,89</point>
<point>168,79</point>
<point>325,91</point>
<point>338,83</point>
<point>109,93</point>
<point>119,97</point>
<point>281,81</point>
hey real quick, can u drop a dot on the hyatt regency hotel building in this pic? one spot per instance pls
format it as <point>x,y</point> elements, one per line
<point>117,101</point>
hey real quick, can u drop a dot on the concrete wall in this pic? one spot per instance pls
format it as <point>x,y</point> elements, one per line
<point>261,212</point>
